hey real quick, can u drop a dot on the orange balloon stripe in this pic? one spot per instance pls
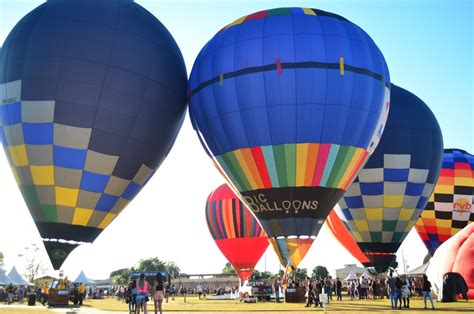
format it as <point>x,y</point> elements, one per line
<point>313,151</point>
<point>350,168</point>
<point>249,160</point>
<point>355,171</point>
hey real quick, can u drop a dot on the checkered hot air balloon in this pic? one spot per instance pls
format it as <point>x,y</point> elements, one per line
<point>388,195</point>
<point>237,233</point>
<point>289,102</point>
<point>93,95</point>
<point>451,205</point>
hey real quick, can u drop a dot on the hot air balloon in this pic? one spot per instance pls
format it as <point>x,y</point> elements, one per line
<point>288,102</point>
<point>451,206</point>
<point>344,237</point>
<point>387,197</point>
<point>236,231</point>
<point>454,255</point>
<point>93,96</point>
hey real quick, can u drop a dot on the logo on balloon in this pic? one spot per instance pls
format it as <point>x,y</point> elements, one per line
<point>462,205</point>
<point>259,203</point>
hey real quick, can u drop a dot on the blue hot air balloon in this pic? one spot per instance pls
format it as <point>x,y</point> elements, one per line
<point>389,194</point>
<point>93,96</point>
<point>289,103</point>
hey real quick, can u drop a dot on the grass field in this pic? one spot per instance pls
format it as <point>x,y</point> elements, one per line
<point>193,304</point>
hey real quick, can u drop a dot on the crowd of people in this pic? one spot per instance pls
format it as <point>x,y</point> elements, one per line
<point>11,293</point>
<point>138,293</point>
<point>401,288</point>
<point>397,289</point>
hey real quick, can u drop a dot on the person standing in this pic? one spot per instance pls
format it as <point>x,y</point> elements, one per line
<point>328,288</point>
<point>142,294</point>
<point>392,291</point>
<point>45,292</point>
<point>406,292</point>
<point>199,290</point>
<point>339,289</point>
<point>81,290</point>
<point>426,290</point>
<point>309,292</point>
<point>276,288</point>
<point>398,285</point>
<point>132,296</point>
<point>10,291</point>
<point>158,293</point>
<point>375,289</point>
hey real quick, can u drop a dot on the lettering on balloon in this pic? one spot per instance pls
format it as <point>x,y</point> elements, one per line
<point>259,203</point>
<point>9,100</point>
<point>462,205</point>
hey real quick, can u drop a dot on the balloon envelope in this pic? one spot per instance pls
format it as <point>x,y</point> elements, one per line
<point>93,96</point>
<point>344,237</point>
<point>387,197</point>
<point>451,205</point>
<point>289,102</point>
<point>454,255</point>
<point>237,233</point>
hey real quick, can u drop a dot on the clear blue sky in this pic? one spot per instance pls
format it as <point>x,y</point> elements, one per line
<point>428,48</point>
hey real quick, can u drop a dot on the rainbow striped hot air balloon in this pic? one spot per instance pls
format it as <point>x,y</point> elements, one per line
<point>289,102</point>
<point>237,233</point>
<point>451,206</point>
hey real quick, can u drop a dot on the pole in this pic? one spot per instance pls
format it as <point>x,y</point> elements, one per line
<point>404,265</point>
<point>265,260</point>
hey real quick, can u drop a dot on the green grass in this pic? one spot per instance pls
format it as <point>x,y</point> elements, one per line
<point>194,304</point>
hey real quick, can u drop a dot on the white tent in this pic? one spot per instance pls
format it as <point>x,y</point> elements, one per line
<point>366,274</point>
<point>351,276</point>
<point>4,280</point>
<point>83,278</point>
<point>17,278</point>
<point>420,270</point>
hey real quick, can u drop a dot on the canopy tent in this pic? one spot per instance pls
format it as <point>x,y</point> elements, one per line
<point>4,280</point>
<point>83,278</point>
<point>420,270</point>
<point>18,279</point>
<point>366,274</point>
<point>351,276</point>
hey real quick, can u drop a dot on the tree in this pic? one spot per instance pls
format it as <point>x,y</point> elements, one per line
<point>228,269</point>
<point>34,266</point>
<point>121,276</point>
<point>151,264</point>
<point>265,275</point>
<point>301,273</point>
<point>1,260</point>
<point>172,269</point>
<point>320,272</point>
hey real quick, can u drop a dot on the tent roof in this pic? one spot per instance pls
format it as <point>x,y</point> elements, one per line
<point>420,270</point>
<point>17,279</point>
<point>4,280</point>
<point>351,276</point>
<point>366,274</point>
<point>83,278</point>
